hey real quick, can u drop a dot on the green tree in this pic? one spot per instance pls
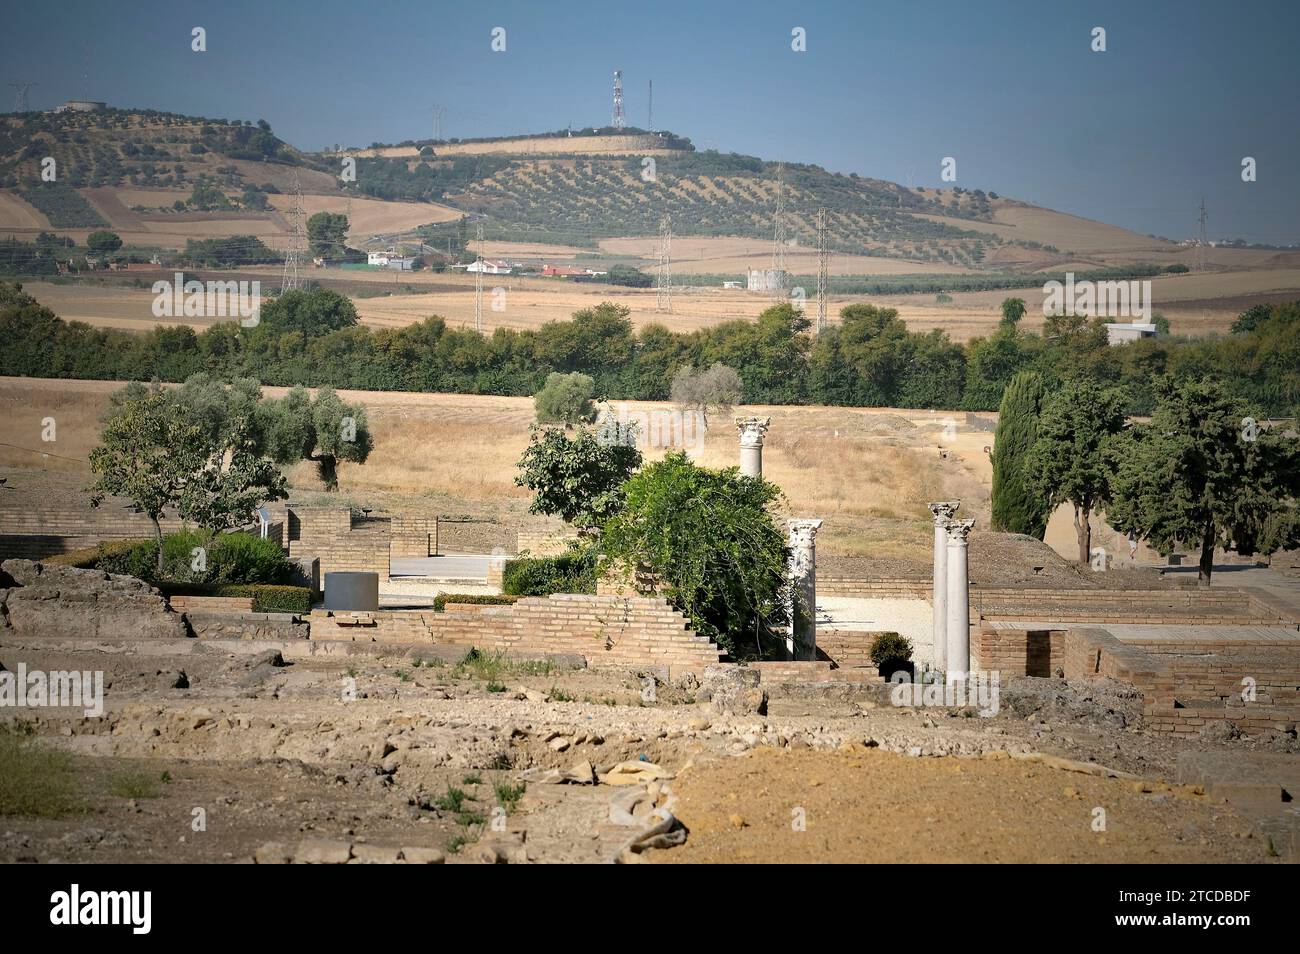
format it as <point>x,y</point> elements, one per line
<point>325,430</point>
<point>103,242</point>
<point>710,540</point>
<point>717,388</point>
<point>1013,309</point>
<point>148,453</point>
<point>311,312</point>
<point>577,479</point>
<point>327,234</point>
<point>1069,459</point>
<point>1199,474</point>
<point>1016,508</point>
<point>566,399</point>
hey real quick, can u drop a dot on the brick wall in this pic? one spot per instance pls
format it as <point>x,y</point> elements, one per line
<point>30,534</point>
<point>413,536</point>
<point>211,604</point>
<point>606,631</point>
<point>340,541</point>
<point>846,648</point>
<point>1184,684</point>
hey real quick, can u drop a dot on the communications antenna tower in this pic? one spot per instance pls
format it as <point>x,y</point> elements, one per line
<point>618,99</point>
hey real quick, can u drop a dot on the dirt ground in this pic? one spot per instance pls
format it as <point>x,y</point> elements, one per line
<point>865,806</point>
<point>497,759</point>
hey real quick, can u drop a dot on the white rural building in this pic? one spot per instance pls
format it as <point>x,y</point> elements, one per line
<point>489,267</point>
<point>390,258</point>
<point>1120,332</point>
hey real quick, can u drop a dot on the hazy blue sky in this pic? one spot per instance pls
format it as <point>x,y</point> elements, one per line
<point>1012,90</point>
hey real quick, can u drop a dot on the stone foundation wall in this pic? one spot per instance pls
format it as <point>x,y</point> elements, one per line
<point>609,631</point>
<point>62,602</point>
<point>1184,684</point>
<point>244,626</point>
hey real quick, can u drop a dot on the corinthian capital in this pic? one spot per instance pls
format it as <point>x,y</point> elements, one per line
<point>752,430</point>
<point>959,530</point>
<point>943,511</point>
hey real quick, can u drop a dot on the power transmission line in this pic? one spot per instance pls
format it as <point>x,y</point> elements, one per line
<point>293,252</point>
<point>664,289</point>
<point>20,95</point>
<point>478,279</point>
<point>777,286</point>
<point>823,270</point>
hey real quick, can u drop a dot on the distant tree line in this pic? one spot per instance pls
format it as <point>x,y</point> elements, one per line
<point>312,338</point>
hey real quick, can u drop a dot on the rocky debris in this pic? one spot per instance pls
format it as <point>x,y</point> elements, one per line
<point>61,601</point>
<point>249,672</point>
<point>330,851</point>
<point>733,690</point>
<point>648,809</point>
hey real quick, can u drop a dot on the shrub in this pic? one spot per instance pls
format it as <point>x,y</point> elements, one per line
<point>229,558</point>
<point>442,599</point>
<point>890,651</point>
<point>542,576</point>
<point>139,559</point>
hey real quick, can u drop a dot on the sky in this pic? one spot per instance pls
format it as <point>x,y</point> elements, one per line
<point>1011,90</point>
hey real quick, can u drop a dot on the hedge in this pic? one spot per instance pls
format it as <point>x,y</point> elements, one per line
<point>542,576</point>
<point>267,597</point>
<point>442,599</point>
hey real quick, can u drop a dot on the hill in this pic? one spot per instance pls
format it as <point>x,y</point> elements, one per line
<point>160,179</point>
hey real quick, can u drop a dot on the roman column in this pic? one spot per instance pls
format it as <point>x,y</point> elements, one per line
<point>802,640</point>
<point>943,511</point>
<point>958,601</point>
<point>752,431</point>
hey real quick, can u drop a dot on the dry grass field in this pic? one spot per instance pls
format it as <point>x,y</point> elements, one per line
<point>1195,303</point>
<point>867,472</point>
<point>166,229</point>
<point>718,256</point>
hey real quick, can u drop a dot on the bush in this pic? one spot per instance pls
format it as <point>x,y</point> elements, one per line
<point>229,558</point>
<point>442,599</point>
<point>542,576</point>
<point>566,399</point>
<point>891,651</point>
<point>139,559</point>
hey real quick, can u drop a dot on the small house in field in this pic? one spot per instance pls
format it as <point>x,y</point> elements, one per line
<point>1119,332</point>
<point>390,258</point>
<point>489,267</point>
<point>565,271</point>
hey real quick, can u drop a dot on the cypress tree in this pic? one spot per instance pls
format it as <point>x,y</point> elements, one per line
<point>1016,509</point>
